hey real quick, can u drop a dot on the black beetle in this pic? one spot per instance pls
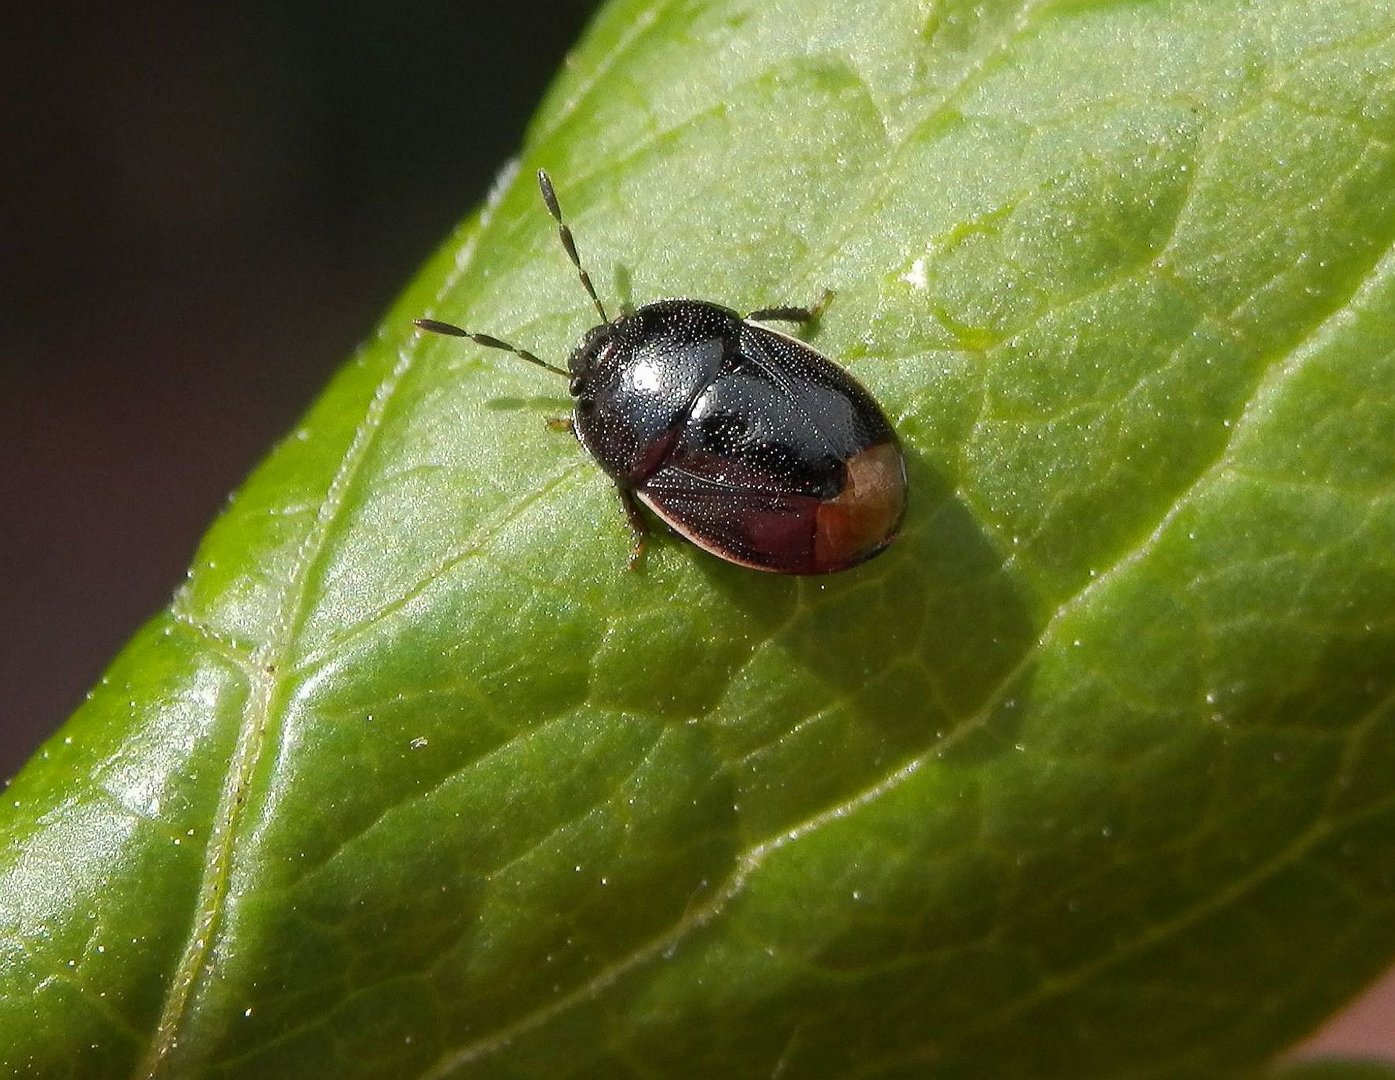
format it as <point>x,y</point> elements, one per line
<point>746,441</point>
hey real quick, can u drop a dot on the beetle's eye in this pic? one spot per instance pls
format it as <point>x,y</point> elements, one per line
<point>575,387</point>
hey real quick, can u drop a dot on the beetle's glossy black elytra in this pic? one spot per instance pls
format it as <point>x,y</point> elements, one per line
<point>745,441</point>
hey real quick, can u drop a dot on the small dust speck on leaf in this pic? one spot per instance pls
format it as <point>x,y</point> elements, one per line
<point>915,276</point>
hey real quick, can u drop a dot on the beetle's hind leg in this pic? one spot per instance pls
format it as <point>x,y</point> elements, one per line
<point>639,528</point>
<point>804,315</point>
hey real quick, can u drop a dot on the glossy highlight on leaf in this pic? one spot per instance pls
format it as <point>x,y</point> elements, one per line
<point>1088,776</point>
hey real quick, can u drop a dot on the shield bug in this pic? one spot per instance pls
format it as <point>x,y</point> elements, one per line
<point>745,441</point>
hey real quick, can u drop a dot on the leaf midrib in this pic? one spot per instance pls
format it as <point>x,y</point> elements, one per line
<point>269,686</point>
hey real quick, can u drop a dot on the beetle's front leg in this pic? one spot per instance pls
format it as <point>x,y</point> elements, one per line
<point>803,315</point>
<point>639,528</point>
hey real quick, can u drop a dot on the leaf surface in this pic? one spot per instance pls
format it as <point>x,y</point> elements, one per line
<point>1088,776</point>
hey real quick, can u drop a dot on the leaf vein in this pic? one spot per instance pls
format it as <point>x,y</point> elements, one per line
<point>263,701</point>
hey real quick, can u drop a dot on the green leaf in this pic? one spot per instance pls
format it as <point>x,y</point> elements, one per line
<point>1088,776</point>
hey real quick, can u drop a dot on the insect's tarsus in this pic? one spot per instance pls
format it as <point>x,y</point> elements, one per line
<point>803,315</point>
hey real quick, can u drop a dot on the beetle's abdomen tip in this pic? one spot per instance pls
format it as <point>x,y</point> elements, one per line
<point>863,518</point>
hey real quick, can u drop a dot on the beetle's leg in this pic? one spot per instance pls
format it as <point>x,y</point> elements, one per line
<point>804,315</point>
<point>561,424</point>
<point>639,528</point>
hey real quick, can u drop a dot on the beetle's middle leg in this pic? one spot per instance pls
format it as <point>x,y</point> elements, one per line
<point>639,528</point>
<point>803,315</point>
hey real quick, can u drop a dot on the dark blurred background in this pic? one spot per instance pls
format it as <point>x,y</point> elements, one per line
<point>203,209</point>
<point>202,212</point>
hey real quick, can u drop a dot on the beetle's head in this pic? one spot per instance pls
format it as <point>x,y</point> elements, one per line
<point>596,347</point>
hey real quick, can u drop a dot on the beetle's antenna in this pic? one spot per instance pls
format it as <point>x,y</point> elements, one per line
<point>550,198</point>
<point>434,327</point>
